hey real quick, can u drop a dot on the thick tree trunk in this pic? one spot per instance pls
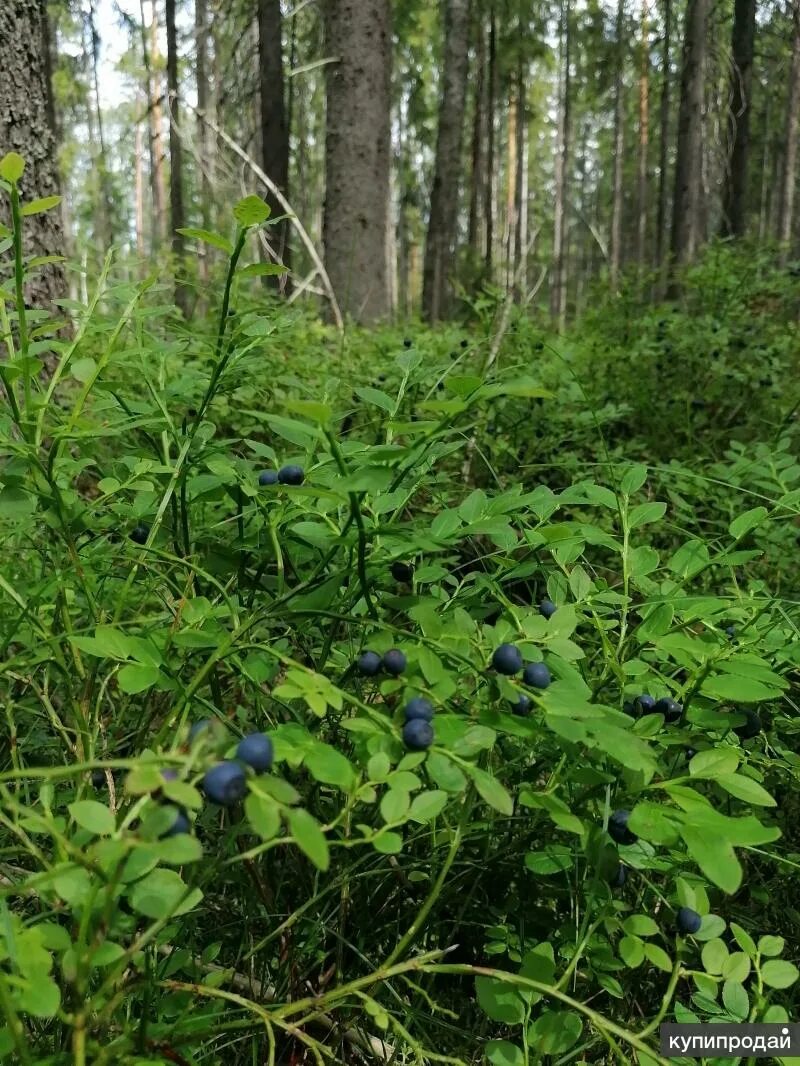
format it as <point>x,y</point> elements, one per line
<point>686,207</point>
<point>440,246</point>
<point>25,105</point>
<point>274,125</point>
<point>478,175</point>
<point>558,287</point>
<point>358,155</point>
<point>644,143</point>
<point>178,218</point>
<point>615,244</point>
<point>734,209</point>
<point>663,137</point>
<point>789,175</point>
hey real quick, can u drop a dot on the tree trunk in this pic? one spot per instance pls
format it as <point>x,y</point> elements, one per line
<point>440,246</point>
<point>734,216</point>
<point>139,184</point>
<point>521,189</point>
<point>358,155</point>
<point>25,104</point>
<point>155,147</point>
<point>789,176</point>
<point>644,144</point>
<point>491,103</point>
<point>686,207</point>
<point>615,244</point>
<point>175,160</point>
<point>274,125</point>
<point>477,191</point>
<point>558,288</point>
<point>663,138</point>
<point>204,137</point>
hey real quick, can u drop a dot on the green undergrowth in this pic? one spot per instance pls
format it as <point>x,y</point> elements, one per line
<point>363,900</point>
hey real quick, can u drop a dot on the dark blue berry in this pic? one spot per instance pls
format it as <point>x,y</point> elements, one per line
<point>730,632</point>
<point>402,572</point>
<point>537,675</point>
<point>291,475</point>
<point>645,704</point>
<point>619,877</point>
<point>687,920</point>
<point>418,734</point>
<point>225,783</point>
<point>522,705</point>
<point>140,533</point>
<point>547,608</point>
<point>418,707</point>
<point>618,828</point>
<point>394,662</point>
<point>369,663</point>
<point>256,751</point>
<point>669,708</point>
<point>507,659</point>
<point>268,477</point>
<point>99,778</point>
<point>181,824</point>
<point>407,342</point>
<point>751,726</point>
<point>464,343</point>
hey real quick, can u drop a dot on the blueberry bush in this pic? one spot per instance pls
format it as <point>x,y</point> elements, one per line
<point>368,699</point>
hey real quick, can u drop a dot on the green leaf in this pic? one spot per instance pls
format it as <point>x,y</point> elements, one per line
<point>658,957</point>
<point>36,207</point>
<point>251,211</point>
<point>491,791</point>
<point>714,762</point>
<point>777,973</point>
<point>12,167</point>
<point>376,397</point>
<point>162,894</point>
<point>261,270</point>
<point>736,967</point>
<point>714,955</point>
<point>747,521</point>
<point>94,816</point>
<point>504,1053</point>
<point>499,1000</point>
<point>427,805</point>
<point>329,766</point>
<point>735,999</point>
<point>40,998</point>
<point>744,940</point>
<point>445,773</point>
<point>640,925</point>
<point>555,1032</point>
<point>135,677</point>
<point>394,805</point>
<point>633,479</point>
<point>715,857</point>
<point>310,409</point>
<point>388,842</point>
<point>309,836</point>
<point>553,860</point>
<point>263,814</point>
<point>644,513</point>
<point>737,688</point>
<point>771,945</point>
<point>631,951</point>
<point>745,788</point>
<point>207,237</point>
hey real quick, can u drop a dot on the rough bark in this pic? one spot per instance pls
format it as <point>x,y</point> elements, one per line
<point>478,168</point>
<point>155,142</point>
<point>491,103</point>
<point>357,155</point>
<point>25,128</point>
<point>178,219</point>
<point>663,137</point>
<point>519,274</point>
<point>615,243</point>
<point>558,287</point>
<point>440,246</point>
<point>734,210</point>
<point>274,124</point>
<point>686,209</point>
<point>205,139</point>
<point>789,174</point>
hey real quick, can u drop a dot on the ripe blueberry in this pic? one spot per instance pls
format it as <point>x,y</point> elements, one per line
<point>507,660</point>
<point>418,734</point>
<point>291,475</point>
<point>256,751</point>
<point>418,707</point>
<point>180,825</point>
<point>750,727</point>
<point>225,783</point>
<point>402,571</point>
<point>268,477</point>
<point>407,342</point>
<point>618,828</point>
<point>140,533</point>
<point>537,675</point>
<point>99,778</point>
<point>369,663</point>
<point>730,632</point>
<point>394,662</point>
<point>464,343</point>
<point>522,705</point>
<point>644,704</point>
<point>547,608</point>
<point>669,708</point>
<point>687,920</point>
